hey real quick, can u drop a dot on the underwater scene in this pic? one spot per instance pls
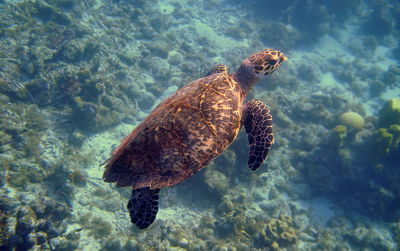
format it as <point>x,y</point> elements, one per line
<point>95,156</point>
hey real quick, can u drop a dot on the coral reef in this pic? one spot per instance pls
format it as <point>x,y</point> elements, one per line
<point>345,152</point>
<point>75,74</point>
<point>33,226</point>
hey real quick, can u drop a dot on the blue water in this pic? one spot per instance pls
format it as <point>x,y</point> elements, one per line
<point>76,77</point>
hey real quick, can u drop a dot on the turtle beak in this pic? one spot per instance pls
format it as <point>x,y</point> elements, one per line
<point>283,58</point>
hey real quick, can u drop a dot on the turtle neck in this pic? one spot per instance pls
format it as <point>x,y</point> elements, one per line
<point>245,77</point>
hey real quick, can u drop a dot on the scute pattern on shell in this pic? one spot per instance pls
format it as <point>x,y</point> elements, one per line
<point>182,135</point>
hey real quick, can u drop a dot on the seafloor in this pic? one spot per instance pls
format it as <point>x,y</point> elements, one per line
<point>77,76</point>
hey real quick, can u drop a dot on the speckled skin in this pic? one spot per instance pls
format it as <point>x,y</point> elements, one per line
<point>188,129</point>
<point>180,136</point>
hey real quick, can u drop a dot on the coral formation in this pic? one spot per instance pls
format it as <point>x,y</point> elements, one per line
<point>352,120</point>
<point>34,226</point>
<point>216,181</point>
<point>279,233</point>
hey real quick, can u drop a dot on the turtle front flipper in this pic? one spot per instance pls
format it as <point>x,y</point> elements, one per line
<point>143,206</point>
<point>258,123</point>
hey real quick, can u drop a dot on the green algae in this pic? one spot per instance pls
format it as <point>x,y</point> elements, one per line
<point>387,142</point>
<point>383,142</point>
<point>338,134</point>
<point>390,113</point>
<point>383,155</point>
<point>387,137</point>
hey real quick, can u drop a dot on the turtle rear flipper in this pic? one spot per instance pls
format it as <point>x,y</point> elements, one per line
<point>258,124</point>
<point>143,206</point>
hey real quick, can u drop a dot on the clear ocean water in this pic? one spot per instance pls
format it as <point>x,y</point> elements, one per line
<point>76,77</point>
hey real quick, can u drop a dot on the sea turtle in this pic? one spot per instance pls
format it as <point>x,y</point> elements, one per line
<point>189,129</point>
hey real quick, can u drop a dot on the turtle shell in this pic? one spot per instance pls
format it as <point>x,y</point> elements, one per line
<point>180,136</point>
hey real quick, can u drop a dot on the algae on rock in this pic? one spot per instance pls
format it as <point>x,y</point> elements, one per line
<point>279,233</point>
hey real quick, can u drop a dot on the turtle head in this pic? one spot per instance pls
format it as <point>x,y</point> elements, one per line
<point>264,62</point>
<point>257,66</point>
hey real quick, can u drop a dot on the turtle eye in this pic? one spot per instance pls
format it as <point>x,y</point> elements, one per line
<point>258,68</point>
<point>272,61</point>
